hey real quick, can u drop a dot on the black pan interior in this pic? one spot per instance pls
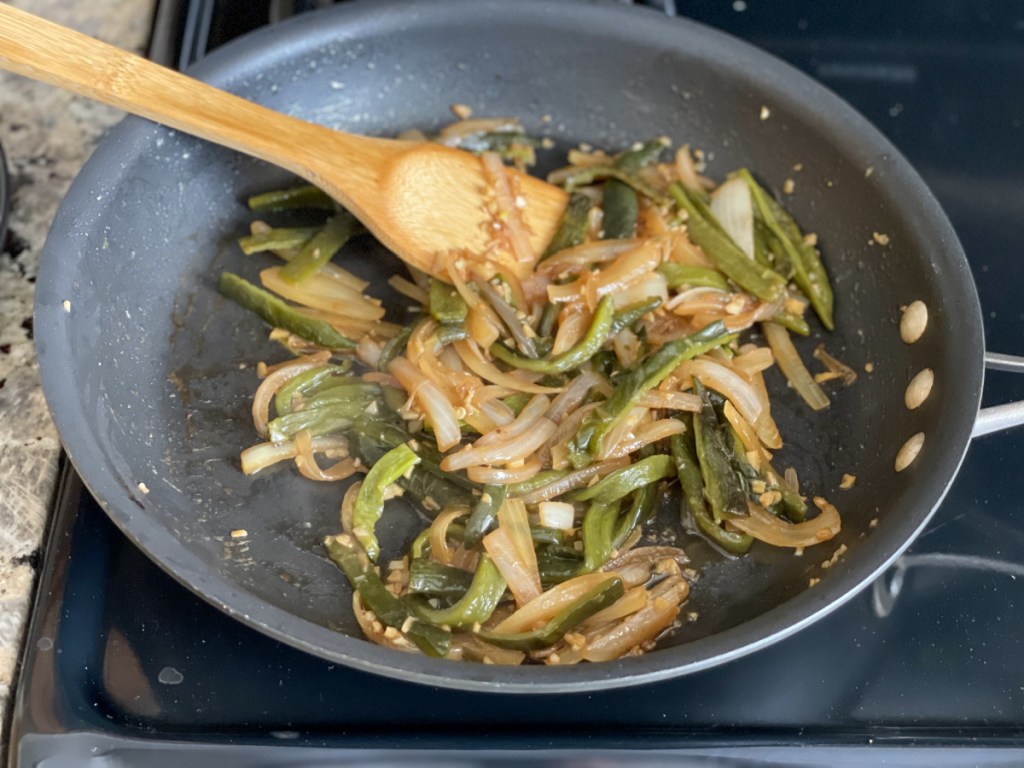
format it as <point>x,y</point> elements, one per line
<point>150,373</point>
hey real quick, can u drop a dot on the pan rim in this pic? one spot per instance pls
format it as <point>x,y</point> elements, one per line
<point>228,64</point>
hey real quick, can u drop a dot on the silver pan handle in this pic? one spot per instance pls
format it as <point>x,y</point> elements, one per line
<point>1000,417</point>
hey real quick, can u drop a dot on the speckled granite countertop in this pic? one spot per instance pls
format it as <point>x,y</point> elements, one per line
<point>47,135</point>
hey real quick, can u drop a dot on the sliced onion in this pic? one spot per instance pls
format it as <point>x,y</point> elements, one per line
<point>731,204</point>
<point>764,526</point>
<point>409,289</point>
<point>513,519</point>
<point>453,134</point>
<point>727,383</point>
<point>352,327</point>
<point>766,427</point>
<point>486,370</point>
<point>473,648</point>
<point>557,514</point>
<point>667,399</point>
<point>497,412</point>
<point>508,316</point>
<point>632,601</point>
<point>516,448</point>
<point>683,251</point>
<point>793,367</point>
<point>277,379</point>
<point>565,430</point>
<point>432,402</point>
<point>573,323</point>
<point>481,328</point>
<point>653,286</point>
<point>649,433</point>
<point>532,411</point>
<point>746,431</point>
<point>642,626</point>
<point>764,310</point>
<point>323,293</point>
<point>573,395</point>
<point>263,455</point>
<point>348,503</point>
<point>439,549</point>
<point>504,476</point>
<point>588,254</point>
<point>509,213</point>
<point>368,352</point>
<point>305,459</point>
<point>573,480</point>
<point>626,346</point>
<point>522,577</point>
<point>646,556</point>
<point>622,431</point>
<point>687,171</point>
<point>631,266</point>
<point>754,360</point>
<point>549,604</point>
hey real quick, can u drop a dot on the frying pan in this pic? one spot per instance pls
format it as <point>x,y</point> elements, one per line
<point>149,373</point>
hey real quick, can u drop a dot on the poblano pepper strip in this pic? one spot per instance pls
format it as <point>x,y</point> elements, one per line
<point>632,313</point>
<point>571,358</point>
<point>809,272</point>
<point>347,555</point>
<point>640,511</point>
<point>752,277</point>
<point>484,517</point>
<point>622,482</point>
<point>396,345</point>
<point>633,159</point>
<point>431,487</point>
<point>432,579</point>
<point>446,305</point>
<point>722,486</point>
<point>514,146</point>
<point>305,383</point>
<point>572,228</point>
<point>324,419</point>
<point>449,333</point>
<point>581,609</point>
<point>537,481</point>
<point>321,248</point>
<point>691,480</point>
<point>792,322</point>
<point>557,565</point>
<point>277,239</point>
<point>369,504</point>
<point>305,196</point>
<point>598,532</point>
<point>650,374</point>
<point>275,312</point>
<point>591,173</point>
<point>474,607</point>
<point>677,275</point>
<point>621,208</point>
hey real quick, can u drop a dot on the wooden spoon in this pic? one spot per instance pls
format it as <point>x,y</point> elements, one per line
<point>419,199</point>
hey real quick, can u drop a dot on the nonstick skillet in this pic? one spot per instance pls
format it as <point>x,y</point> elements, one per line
<point>149,372</point>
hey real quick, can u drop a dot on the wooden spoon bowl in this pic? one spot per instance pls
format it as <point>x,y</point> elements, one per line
<point>420,199</point>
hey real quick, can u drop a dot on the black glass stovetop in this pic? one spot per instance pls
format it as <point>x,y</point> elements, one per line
<point>124,667</point>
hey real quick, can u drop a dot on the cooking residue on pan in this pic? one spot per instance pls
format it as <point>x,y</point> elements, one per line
<point>537,407</point>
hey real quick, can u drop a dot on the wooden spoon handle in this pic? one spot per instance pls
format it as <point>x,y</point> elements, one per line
<point>45,51</point>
